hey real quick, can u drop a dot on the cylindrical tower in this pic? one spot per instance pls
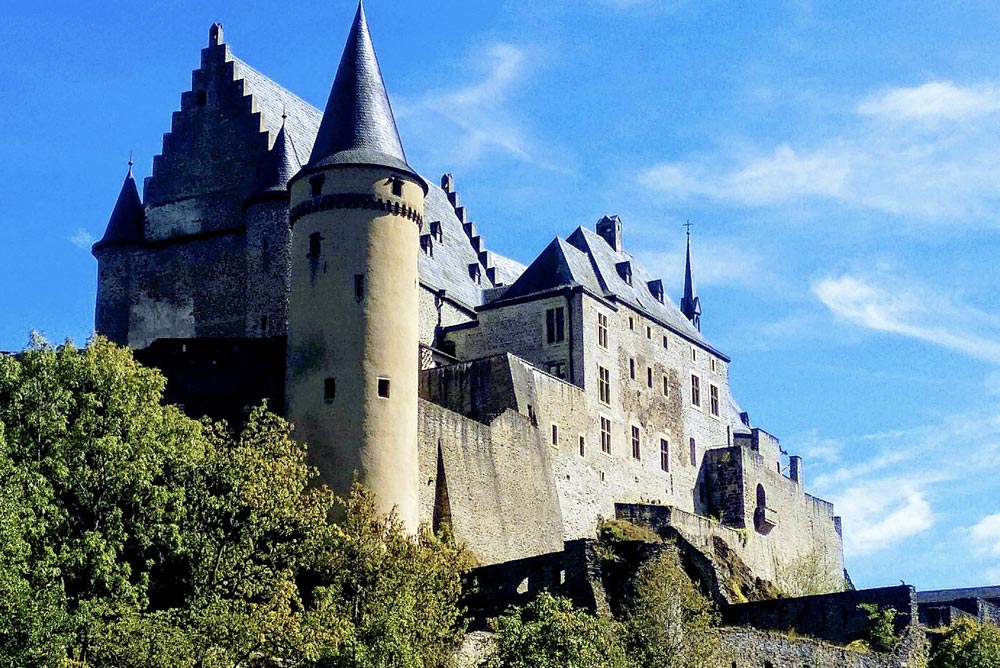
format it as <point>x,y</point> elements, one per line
<point>356,211</point>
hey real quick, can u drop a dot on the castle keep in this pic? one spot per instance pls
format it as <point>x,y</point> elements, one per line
<point>283,253</point>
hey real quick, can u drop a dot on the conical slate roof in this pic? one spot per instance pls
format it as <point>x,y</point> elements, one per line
<point>276,167</point>
<point>358,126</point>
<point>126,223</point>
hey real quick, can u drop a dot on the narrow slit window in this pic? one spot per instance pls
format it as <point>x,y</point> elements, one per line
<point>263,325</point>
<point>606,435</point>
<point>636,443</point>
<point>359,287</point>
<point>329,389</point>
<point>666,386</point>
<point>397,187</point>
<point>631,368</point>
<point>664,454</point>
<point>666,341</point>
<point>695,391</point>
<point>383,388</point>
<point>316,186</point>
<point>649,377</point>
<point>583,447</point>
<point>694,452</point>
<point>555,434</point>
<point>315,241</point>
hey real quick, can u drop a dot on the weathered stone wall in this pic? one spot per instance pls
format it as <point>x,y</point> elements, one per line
<point>268,248</point>
<point>752,648</point>
<point>497,480</point>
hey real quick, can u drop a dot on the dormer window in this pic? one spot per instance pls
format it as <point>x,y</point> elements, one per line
<point>437,230</point>
<point>476,273</point>
<point>656,289</point>
<point>625,271</point>
<point>427,244</point>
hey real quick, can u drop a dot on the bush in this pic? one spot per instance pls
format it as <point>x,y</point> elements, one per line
<point>882,636</point>
<point>968,644</point>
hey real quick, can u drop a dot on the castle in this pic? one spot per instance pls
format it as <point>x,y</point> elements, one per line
<point>283,253</point>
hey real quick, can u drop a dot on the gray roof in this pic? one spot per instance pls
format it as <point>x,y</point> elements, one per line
<point>125,224</point>
<point>272,100</point>
<point>277,167</point>
<point>559,265</point>
<point>358,126</point>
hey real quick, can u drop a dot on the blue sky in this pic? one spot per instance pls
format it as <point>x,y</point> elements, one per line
<point>840,163</point>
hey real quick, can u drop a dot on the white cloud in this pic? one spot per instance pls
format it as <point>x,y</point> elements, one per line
<point>479,117</point>
<point>985,535</point>
<point>934,100</point>
<point>82,239</point>
<point>881,514</point>
<point>888,304</point>
<point>929,172</point>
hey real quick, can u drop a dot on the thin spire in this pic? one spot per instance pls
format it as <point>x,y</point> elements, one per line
<point>690,303</point>
<point>126,223</point>
<point>358,126</point>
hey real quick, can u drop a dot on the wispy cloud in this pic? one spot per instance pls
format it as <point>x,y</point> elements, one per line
<point>985,535</point>
<point>479,118</point>
<point>892,152</point>
<point>888,304</point>
<point>935,100</point>
<point>82,239</point>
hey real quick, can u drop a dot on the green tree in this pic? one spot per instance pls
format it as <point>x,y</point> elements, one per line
<point>132,535</point>
<point>968,644</point>
<point>549,633</point>
<point>669,623</point>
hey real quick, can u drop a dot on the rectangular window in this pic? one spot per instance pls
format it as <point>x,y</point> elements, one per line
<point>329,389</point>
<point>383,388</point>
<point>713,364</point>
<point>316,185</point>
<point>583,447</point>
<point>694,453</point>
<point>631,323</point>
<point>359,287</point>
<point>664,454</point>
<point>713,399</point>
<point>314,245</point>
<point>649,377</point>
<point>555,434</point>
<point>602,330</point>
<point>694,354</point>
<point>555,324</point>
<point>557,369</point>
<point>649,332</point>
<point>532,417</point>
<point>636,454</point>
<point>631,368</point>
<point>604,385</point>
<point>666,341</point>
<point>695,390</point>
<point>666,386</point>
<point>606,435</point>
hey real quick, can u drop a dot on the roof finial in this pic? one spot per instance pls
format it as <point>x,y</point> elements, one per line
<point>284,114</point>
<point>215,37</point>
<point>131,161</point>
<point>688,225</point>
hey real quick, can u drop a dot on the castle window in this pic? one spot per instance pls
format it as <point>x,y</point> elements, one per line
<point>666,386</point>
<point>605,435</point>
<point>713,399</point>
<point>649,377</point>
<point>649,332</point>
<point>713,364</point>
<point>604,385</point>
<point>602,330</point>
<point>329,390</point>
<point>631,323</point>
<point>557,369</point>
<point>665,341</point>
<point>531,416</point>
<point>631,368</point>
<point>437,231</point>
<point>695,391</point>
<point>664,454</point>
<point>583,446</point>
<point>359,287</point>
<point>314,245</point>
<point>555,434</point>
<point>383,388</point>
<point>316,185</point>
<point>427,244</point>
<point>475,273</point>
<point>263,325</point>
<point>555,324</point>
<point>263,245</point>
<point>694,354</point>
<point>397,186</point>
<point>636,454</point>
<point>694,452</point>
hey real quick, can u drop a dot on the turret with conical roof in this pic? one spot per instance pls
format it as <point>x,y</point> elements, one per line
<point>276,168</point>
<point>690,303</point>
<point>355,212</point>
<point>126,223</point>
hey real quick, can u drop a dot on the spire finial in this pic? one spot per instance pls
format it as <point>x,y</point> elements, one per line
<point>284,114</point>
<point>690,303</point>
<point>131,161</point>
<point>688,225</point>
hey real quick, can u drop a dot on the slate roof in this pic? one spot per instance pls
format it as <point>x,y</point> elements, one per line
<point>585,259</point>
<point>277,167</point>
<point>358,126</point>
<point>272,100</point>
<point>125,224</point>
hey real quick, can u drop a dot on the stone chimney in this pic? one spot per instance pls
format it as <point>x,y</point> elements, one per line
<point>609,228</point>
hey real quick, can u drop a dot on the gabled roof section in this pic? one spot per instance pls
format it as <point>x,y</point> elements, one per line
<point>358,126</point>
<point>126,223</point>
<point>559,265</point>
<point>605,261</point>
<point>276,167</point>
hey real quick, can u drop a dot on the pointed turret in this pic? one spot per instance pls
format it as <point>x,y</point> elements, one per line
<point>358,126</point>
<point>126,223</point>
<point>690,303</point>
<point>276,168</point>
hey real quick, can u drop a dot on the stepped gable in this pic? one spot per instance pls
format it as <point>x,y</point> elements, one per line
<point>606,260</point>
<point>126,223</point>
<point>358,126</point>
<point>226,123</point>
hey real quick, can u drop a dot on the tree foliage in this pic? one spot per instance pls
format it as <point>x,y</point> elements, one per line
<point>131,535</point>
<point>968,644</point>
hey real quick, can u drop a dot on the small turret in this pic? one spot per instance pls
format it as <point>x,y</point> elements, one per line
<point>690,303</point>
<point>275,169</point>
<point>126,223</point>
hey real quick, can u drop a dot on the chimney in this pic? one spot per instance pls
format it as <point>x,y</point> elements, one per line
<point>609,228</point>
<point>795,469</point>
